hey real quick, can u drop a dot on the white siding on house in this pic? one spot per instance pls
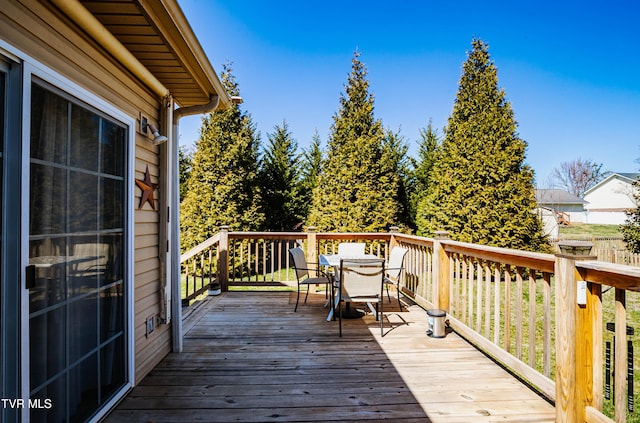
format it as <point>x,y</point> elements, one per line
<point>578,217</point>
<point>612,194</point>
<point>608,201</point>
<point>606,218</point>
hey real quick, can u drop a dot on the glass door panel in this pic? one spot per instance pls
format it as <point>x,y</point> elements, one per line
<point>77,310</point>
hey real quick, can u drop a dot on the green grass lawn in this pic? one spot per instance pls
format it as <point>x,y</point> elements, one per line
<point>584,230</point>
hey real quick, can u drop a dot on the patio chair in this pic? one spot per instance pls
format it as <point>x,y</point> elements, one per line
<point>361,280</point>
<point>393,270</point>
<point>90,262</point>
<point>302,269</point>
<point>351,249</point>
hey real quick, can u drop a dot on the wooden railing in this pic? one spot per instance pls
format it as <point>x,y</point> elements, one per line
<point>581,357</point>
<point>519,307</point>
<point>490,296</point>
<point>199,269</point>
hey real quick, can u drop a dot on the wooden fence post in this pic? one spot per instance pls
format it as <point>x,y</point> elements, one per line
<point>223,264</point>
<point>574,335</point>
<point>441,273</point>
<point>392,242</point>
<point>312,252</point>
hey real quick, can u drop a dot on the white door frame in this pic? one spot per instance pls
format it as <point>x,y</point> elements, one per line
<point>33,68</point>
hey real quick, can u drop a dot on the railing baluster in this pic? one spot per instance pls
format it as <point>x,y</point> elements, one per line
<point>210,267</point>
<point>479,280</point>
<point>620,357</point>
<point>471,280</point>
<point>519,313</point>
<point>457,282</point>
<point>487,299</point>
<point>454,284</point>
<point>195,286</point>
<point>507,308</point>
<point>532,318</point>
<point>264,260</point>
<point>546,330</point>
<point>420,265</point>
<point>463,288</point>
<point>272,259</point>
<point>241,261</point>
<point>256,260</point>
<point>496,303</point>
<point>249,259</point>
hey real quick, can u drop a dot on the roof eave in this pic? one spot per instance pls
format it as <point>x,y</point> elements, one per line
<point>176,29</point>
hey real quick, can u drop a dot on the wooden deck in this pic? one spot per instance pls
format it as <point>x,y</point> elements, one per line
<point>248,357</point>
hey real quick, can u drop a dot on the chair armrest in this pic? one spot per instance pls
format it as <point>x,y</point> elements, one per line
<point>320,271</point>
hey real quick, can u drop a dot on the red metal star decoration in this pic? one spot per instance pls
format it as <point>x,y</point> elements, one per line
<point>147,188</point>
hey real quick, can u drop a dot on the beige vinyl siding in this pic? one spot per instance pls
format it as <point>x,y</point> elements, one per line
<point>42,33</point>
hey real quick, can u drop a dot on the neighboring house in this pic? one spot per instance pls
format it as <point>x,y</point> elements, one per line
<point>609,199</point>
<point>89,260</point>
<point>567,207</point>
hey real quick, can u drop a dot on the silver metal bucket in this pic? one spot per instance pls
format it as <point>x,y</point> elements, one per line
<point>436,323</point>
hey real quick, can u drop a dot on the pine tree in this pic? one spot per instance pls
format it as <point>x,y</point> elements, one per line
<point>311,165</point>
<point>355,191</point>
<point>185,157</point>
<point>421,169</point>
<point>280,176</point>
<point>396,177</point>
<point>223,188</point>
<point>481,191</point>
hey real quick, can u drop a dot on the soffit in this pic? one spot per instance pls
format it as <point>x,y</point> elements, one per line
<point>159,36</point>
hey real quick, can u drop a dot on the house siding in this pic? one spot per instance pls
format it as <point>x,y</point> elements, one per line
<point>608,201</point>
<point>42,33</point>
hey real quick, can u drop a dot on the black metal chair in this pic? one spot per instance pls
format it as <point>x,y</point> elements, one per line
<point>302,269</point>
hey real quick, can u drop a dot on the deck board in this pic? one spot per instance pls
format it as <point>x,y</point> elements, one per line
<point>248,357</point>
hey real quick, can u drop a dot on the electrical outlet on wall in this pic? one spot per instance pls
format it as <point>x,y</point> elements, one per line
<point>581,293</point>
<point>151,325</point>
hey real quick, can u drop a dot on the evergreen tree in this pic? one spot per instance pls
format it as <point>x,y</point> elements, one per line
<point>353,192</point>
<point>280,181</point>
<point>311,163</point>
<point>481,191</point>
<point>396,176</point>
<point>223,188</point>
<point>429,141</point>
<point>631,227</point>
<point>419,180</point>
<point>185,157</point>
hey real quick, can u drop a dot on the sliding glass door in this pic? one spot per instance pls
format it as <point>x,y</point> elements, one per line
<point>76,245</point>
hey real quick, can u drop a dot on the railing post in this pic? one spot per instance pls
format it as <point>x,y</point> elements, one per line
<point>392,242</point>
<point>223,265</point>
<point>574,335</point>
<point>441,271</point>
<point>312,251</point>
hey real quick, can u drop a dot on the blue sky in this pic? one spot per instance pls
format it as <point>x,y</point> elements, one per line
<point>570,69</point>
